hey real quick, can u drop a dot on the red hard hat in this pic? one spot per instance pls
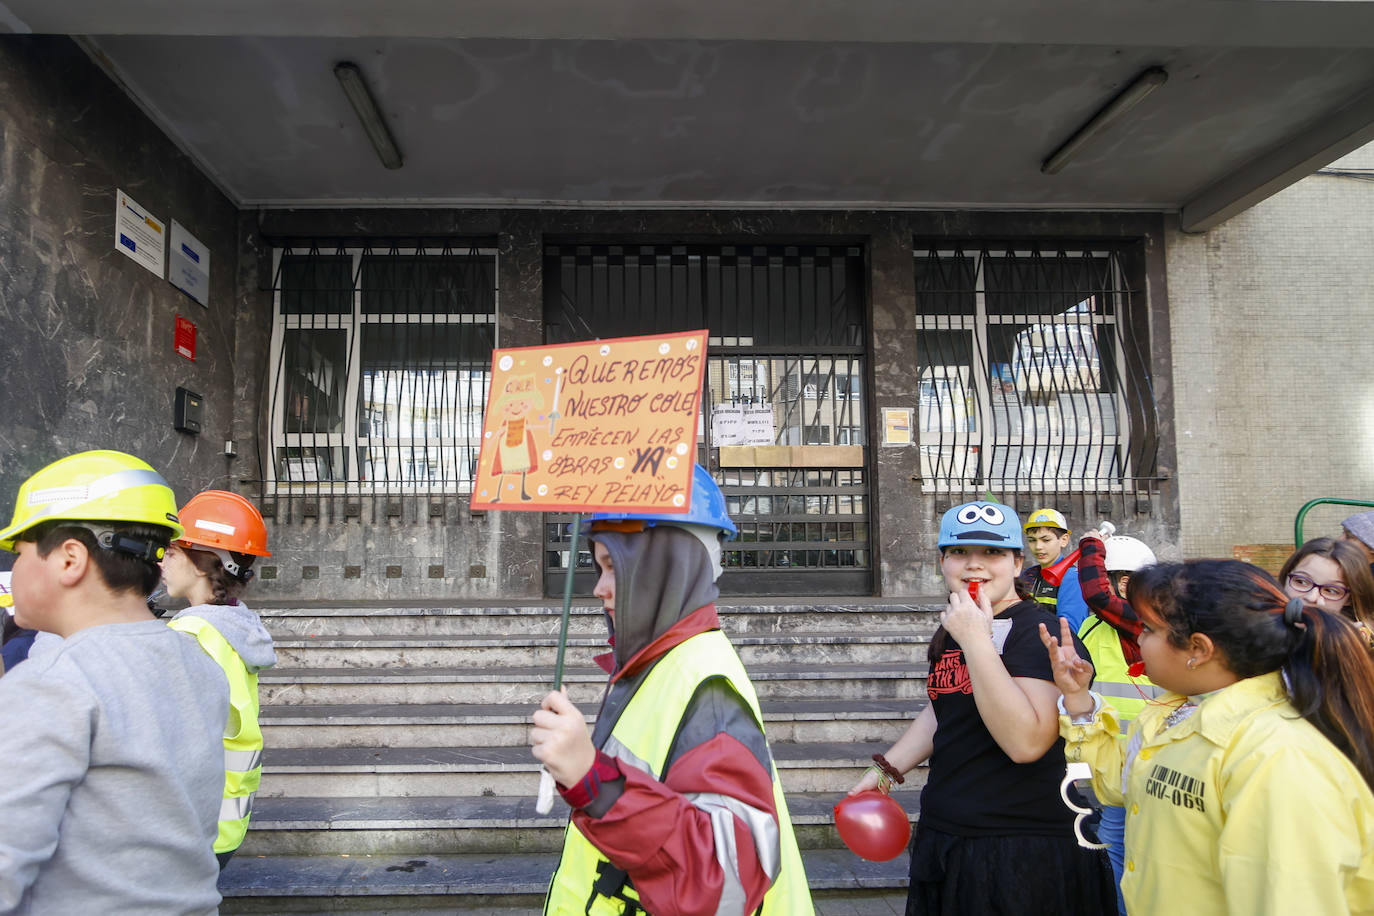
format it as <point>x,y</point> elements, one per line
<point>873,826</point>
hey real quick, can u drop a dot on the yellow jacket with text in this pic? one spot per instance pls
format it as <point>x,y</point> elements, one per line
<point>1243,808</point>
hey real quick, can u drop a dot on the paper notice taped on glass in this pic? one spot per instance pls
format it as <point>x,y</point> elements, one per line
<point>758,424</point>
<point>897,426</point>
<point>727,425</point>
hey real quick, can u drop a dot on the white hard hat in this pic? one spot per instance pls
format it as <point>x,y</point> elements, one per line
<point>1126,554</point>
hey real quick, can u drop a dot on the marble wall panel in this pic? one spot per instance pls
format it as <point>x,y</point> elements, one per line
<point>86,357</point>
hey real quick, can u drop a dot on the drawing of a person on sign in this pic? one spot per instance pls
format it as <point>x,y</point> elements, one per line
<point>516,453</point>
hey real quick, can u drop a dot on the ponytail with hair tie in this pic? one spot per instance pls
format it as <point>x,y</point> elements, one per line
<point>1292,614</point>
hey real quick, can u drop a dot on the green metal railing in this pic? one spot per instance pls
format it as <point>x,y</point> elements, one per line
<point>1310,504</point>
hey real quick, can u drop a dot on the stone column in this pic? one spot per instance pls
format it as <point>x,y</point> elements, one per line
<point>520,317</point>
<point>901,540</point>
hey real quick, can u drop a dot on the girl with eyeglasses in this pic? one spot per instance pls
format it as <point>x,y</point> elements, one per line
<point>1247,785</point>
<point>1332,575</point>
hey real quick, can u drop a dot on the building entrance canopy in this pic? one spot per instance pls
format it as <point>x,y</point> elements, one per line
<point>713,103</point>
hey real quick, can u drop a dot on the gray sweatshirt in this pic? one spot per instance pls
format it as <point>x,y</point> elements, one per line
<point>241,628</point>
<point>111,772</point>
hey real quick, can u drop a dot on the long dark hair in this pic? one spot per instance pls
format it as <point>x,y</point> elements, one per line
<point>1257,629</point>
<point>1354,570</point>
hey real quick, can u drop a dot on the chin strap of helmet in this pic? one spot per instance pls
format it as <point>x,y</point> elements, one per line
<point>226,559</point>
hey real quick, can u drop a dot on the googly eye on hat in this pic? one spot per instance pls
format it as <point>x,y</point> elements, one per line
<point>981,524</point>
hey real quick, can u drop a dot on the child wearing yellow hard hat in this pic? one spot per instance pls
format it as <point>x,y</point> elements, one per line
<point>112,758</point>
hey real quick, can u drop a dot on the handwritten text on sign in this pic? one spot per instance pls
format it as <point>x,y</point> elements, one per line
<point>593,426</point>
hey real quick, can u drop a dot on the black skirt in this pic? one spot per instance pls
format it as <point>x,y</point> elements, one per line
<point>1007,876</point>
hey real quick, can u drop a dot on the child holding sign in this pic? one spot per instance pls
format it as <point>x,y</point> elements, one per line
<point>676,803</point>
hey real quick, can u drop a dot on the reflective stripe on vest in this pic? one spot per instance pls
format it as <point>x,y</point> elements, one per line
<point>1128,695</point>
<point>235,809</point>
<point>242,736</point>
<point>1132,690</point>
<point>642,739</point>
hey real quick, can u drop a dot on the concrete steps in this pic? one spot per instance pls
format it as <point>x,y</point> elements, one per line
<point>587,619</point>
<point>528,684</point>
<point>507,724</point>
<point>508,771</point>
<point>866,645</point>
<point>398,735</point>
<point>479,883</point>
<point>371,825</point>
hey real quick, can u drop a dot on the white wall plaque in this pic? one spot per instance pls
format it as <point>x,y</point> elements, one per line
<point>140,235</point>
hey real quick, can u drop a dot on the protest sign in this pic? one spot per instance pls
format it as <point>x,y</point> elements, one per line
<point>596,426</point>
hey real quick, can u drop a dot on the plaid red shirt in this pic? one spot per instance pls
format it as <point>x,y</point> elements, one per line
<point>1097,592</point>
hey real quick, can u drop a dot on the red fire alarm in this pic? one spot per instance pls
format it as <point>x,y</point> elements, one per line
<point>184,339</point>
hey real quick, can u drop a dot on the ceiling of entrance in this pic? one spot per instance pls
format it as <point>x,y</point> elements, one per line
<point>761,103</point>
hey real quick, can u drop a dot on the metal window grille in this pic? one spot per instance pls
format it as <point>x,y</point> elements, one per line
<point>1033,371</point>
<point>787,338</point>
<point>381,356</point>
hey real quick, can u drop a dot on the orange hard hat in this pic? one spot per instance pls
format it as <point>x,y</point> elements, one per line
<point>873,826</point>
<point>220,520</point>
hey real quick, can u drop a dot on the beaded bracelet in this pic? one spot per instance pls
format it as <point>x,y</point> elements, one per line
<point>888,769</point>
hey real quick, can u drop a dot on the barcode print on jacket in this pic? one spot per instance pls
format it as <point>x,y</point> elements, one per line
<point>1179,788</point>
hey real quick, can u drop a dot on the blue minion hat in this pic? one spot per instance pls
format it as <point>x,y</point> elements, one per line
<point>981,524</point>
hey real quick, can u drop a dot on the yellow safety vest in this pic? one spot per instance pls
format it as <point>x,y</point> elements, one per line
<point>242,736</point>
<point>1128,695</point>
<point>642,738</point>
<point>1044,593</point>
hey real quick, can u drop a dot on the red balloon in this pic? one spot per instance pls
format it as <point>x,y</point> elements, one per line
<point>873,826</point>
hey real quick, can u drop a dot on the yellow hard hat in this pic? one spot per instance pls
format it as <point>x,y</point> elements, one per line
<point>100,486</point>
<point>1047,518</point>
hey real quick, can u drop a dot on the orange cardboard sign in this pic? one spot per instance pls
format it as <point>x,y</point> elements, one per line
<point>595,426</point>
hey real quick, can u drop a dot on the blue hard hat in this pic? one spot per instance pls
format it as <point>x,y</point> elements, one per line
<point>707,508</point>
<point>981,524</point>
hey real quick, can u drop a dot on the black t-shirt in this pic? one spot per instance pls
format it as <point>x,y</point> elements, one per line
<point>974,788</point>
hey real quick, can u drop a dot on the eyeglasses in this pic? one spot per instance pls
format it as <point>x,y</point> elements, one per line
<point>1302,584</point>
<point>1084,830</point>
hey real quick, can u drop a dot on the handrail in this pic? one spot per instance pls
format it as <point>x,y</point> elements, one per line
<point>1302,513</point>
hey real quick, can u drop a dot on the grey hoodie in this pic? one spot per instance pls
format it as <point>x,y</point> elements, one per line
<point>241,628</point>
<point>113,769</point>
<point>662,574</point>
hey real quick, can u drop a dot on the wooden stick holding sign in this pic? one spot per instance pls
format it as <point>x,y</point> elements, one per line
<point>621,437</point>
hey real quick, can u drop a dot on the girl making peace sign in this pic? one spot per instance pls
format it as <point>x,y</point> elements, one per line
<point>1247,787</point>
